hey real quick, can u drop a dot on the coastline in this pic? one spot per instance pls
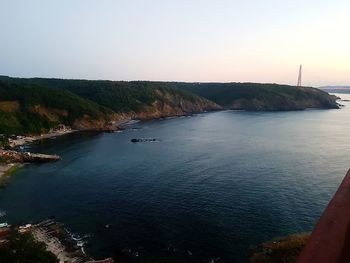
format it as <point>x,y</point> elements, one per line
<point>123,120</point>
<point>48,239</point>
<point>6,169</point>
<point>112,137</point>
<point>23,140</point>
<point>61,243</point>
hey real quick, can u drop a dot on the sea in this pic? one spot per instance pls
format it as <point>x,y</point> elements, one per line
<point>203,188</point>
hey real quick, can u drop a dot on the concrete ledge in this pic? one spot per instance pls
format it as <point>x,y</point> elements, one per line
<point>330,239</point>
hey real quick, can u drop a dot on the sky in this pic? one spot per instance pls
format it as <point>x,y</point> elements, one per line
<point>177,40</point>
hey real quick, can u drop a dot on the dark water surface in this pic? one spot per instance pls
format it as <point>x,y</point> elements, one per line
<point>215,184</point>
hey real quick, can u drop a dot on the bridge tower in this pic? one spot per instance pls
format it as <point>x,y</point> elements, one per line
<point>300,75</point>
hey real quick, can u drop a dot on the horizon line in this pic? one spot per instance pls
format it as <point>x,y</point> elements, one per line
<point>335,86</point>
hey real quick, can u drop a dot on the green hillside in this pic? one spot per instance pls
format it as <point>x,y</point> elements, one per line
<point>29,108</point>
<point>120,96</point>
<point>33,106</point>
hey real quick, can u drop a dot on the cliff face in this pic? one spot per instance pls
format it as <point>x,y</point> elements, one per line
<point>168,106</point>
<point>87,123</point>
<point>175,105</point>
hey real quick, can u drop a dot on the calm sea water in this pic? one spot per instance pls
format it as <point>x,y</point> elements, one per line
<point>215,184</point>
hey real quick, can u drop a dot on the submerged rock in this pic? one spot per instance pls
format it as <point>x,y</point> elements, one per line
<point>144,140</point>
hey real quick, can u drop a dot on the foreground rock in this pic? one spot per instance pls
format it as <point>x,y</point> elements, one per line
<point>60,243</point>
<point>144,140</point>
<point>47,241</point>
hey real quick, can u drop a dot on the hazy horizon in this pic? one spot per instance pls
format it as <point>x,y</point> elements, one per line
<point>197,41</point>
<point>175,81</point>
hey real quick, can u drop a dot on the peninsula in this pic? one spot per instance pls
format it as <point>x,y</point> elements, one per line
<point>37,105</point>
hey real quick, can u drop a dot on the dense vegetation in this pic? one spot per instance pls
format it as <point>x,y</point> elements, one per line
<point>23,248</point>
<point>257,97</point>
<point>119,96</point>
<point>29,108</point>
<point>33,106</point>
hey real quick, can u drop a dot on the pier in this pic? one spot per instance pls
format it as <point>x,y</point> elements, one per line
<point>40,158</point>
<point>23,157</point>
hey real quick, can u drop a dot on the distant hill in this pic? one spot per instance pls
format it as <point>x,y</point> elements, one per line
<point>33,106</point>
<point>262,97</point>
<point>336,89</point>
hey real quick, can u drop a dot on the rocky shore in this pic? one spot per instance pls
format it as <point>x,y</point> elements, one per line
<point>61,243</point>
<point>47,239</point>
<point>11,160</point>
<point>17,140</point>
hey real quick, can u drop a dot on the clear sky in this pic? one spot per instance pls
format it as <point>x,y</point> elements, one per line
<point>182,40</point>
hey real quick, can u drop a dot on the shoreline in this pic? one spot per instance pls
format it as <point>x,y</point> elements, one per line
<point>23,140</point>
<point>120,124</point>
<point>48,237</point>
<point>60,242</point>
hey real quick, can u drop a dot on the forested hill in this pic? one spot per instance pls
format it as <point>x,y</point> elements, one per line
<point>124,96</point>
<point>33,106</point>
<point>262,97</point>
